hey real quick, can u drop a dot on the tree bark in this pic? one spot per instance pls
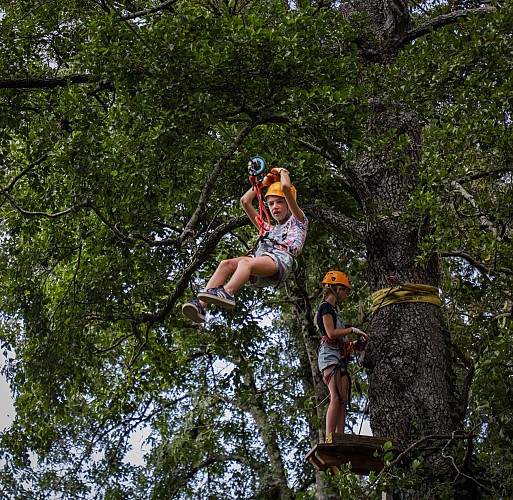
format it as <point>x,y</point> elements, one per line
<point>407,359</point>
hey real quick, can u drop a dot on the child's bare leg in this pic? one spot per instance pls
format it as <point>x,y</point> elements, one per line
<point>343,386</point>
<point>333,408</point>
<point>224,270</point>
<point>249,266</point>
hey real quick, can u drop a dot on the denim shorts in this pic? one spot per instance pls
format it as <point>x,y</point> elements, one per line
<point>328,355</point>
<point>283,260</point>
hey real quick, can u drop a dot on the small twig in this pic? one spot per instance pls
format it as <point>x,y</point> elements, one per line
<point>27,213</point>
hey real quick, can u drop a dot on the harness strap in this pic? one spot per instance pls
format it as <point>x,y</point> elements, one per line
<point>275,243</point>
<point>327,379</point>
<point>327,340</point>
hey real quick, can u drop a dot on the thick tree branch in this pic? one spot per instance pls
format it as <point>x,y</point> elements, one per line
<point>277,480</point>
<point>482,268</point>
<point>152,10</point>
<point>449,440</point>
<point>487,173</point>
<point>50,83</point>
<point>214,174</point>
<point>317,150</point>
<point>440,22</point>
<point>341,179</point>
<point>498,230</point>
<point>354,185</point>
<point>306,338</point>
<point>432,437</point>
<point>485,222</point>
<point>103,219</point>
<point>27,169</point>
<point>27,213</point>
<point>337,221</point>
<point>197,260</point>
<point>166,242</point>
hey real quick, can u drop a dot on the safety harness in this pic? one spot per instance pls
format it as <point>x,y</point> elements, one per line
<point>276,276</point>
<point>256,168</point>
<point>345,349</point>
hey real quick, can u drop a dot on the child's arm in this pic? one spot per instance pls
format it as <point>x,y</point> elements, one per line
<point>247,204</point>
<point>334,333</point>
<point>291,201</point>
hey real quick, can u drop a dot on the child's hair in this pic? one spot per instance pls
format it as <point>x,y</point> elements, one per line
<point>326,291</point>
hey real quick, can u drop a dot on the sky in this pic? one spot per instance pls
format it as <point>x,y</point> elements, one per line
<point>6,407</point>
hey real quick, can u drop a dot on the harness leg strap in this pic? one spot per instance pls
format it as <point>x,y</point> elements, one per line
<point>327,380</point>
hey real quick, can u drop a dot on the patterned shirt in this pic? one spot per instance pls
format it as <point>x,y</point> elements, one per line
<point>291,234</point>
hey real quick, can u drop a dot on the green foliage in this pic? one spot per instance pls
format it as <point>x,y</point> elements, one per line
<point>101,179</point>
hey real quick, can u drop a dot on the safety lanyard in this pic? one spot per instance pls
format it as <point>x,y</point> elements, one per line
<point>256,168</point>
<point>263,224</point>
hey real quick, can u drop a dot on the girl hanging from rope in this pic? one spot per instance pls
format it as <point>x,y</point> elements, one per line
<point>336,348</point>
<point>271,261</point>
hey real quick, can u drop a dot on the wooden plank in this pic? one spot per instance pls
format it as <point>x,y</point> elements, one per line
<point>337,438</point>
<point>348,448</point>
<point>311,455</point>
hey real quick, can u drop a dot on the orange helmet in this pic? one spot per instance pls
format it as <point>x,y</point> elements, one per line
<point>275,190</point>
<point>336,278</point>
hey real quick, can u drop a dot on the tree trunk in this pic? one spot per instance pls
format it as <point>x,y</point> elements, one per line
<point>407,359</point>
<point>274,483</point>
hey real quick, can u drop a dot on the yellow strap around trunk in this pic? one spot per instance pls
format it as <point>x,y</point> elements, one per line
<point>408,292</point>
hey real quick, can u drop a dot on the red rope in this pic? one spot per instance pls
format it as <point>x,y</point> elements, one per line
<point>262,224</point>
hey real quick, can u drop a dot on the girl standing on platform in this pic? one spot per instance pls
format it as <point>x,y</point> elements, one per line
<point>335,349</point>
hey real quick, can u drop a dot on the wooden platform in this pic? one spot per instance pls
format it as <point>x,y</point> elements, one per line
<point>348,448</point>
